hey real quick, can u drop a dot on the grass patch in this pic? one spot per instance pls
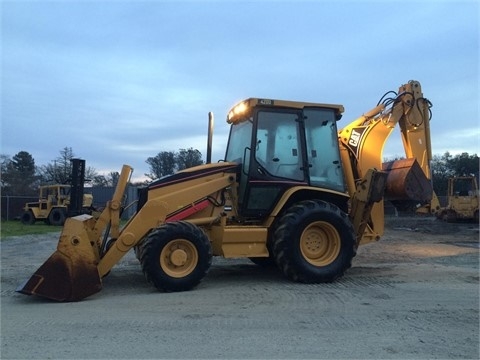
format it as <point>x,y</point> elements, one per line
<point>16,228</point>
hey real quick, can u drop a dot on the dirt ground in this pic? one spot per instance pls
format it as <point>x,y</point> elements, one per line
<point>413,295</point>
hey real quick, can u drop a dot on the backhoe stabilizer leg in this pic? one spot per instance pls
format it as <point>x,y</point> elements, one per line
<point>70,273</point>
<point>369,190</point>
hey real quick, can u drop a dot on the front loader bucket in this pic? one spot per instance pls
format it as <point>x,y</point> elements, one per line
<point>70,273</point>
<point>407,181</point>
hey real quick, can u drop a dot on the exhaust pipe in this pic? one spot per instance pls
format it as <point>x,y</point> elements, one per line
<point>210,136</point>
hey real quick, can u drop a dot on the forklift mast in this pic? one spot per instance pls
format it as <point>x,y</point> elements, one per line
<point>76,191</point>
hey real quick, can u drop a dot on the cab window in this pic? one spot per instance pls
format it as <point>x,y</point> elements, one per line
<point>278,147</point>
<point>323,153</point>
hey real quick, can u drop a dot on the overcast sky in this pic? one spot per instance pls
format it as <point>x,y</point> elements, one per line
<point>120,81</point>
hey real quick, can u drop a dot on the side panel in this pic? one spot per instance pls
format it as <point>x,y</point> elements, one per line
<point>239,241</point>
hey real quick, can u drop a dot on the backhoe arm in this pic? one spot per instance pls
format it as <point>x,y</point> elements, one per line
<point>362,142</point>
<point>365,137</point>
<point>415,126</point>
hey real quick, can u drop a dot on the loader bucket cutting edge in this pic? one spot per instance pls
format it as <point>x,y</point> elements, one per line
<point>61,278</point>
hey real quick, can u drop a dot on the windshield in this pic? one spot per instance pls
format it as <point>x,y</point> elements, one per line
<point>239,140</point>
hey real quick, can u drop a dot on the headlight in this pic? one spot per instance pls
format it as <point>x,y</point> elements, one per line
<point>238,110</point>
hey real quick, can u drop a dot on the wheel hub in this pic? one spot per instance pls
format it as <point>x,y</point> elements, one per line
<point>320,243</point>
<point>314,244</point>
<point>178,257</point>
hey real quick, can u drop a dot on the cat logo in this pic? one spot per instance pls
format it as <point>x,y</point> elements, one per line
<point>354,138</point>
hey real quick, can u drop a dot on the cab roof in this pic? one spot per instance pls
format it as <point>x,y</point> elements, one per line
<point>244,107</point>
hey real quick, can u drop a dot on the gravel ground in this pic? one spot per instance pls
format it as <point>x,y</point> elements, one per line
<point>413,295</point>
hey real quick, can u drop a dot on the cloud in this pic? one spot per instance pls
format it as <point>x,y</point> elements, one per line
<point>121,81</point>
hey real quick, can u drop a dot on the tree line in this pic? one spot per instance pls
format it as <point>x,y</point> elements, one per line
<point>446,166</point>
<point>21,176</point>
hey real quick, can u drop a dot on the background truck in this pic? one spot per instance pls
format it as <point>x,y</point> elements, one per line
<point>57,202</point>
<point>462,200</point>
<point>293,191</point>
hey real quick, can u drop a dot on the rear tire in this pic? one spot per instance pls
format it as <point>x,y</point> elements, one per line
<point>315,242</point>
<point>176,256</point>
<point>28,218</point>
<point>57,217</point>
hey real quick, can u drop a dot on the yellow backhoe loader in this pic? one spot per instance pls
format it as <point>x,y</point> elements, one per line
<point>292,191</point>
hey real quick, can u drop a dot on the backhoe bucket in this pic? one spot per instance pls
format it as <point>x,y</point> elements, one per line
<point>407,181</point>
<point>70,273</point>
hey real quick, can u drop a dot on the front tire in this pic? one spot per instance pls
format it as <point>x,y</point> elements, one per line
<point>28,218</point>
<point>314,242</point>
<point>57,217</point>
<point>176,256</point>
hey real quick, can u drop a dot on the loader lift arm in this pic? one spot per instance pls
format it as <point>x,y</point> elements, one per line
<point>155,213</point>
<point>75,269</point>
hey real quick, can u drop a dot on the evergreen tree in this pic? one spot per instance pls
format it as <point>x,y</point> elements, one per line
<point>161,165</point>
<point>187,158</point>
<point>167,162</point>
<point>19,174</point>
<point>447,166</point>
<point>464,164</point>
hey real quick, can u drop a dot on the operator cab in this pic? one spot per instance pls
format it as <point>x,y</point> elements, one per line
<point>282,144</point>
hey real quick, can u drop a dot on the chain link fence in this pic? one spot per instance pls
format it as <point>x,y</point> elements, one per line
<point>12,206</point>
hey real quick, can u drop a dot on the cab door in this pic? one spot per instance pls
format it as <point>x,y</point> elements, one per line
<point>277,159</point>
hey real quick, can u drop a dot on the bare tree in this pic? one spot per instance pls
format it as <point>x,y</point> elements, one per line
<point>59,171</point>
